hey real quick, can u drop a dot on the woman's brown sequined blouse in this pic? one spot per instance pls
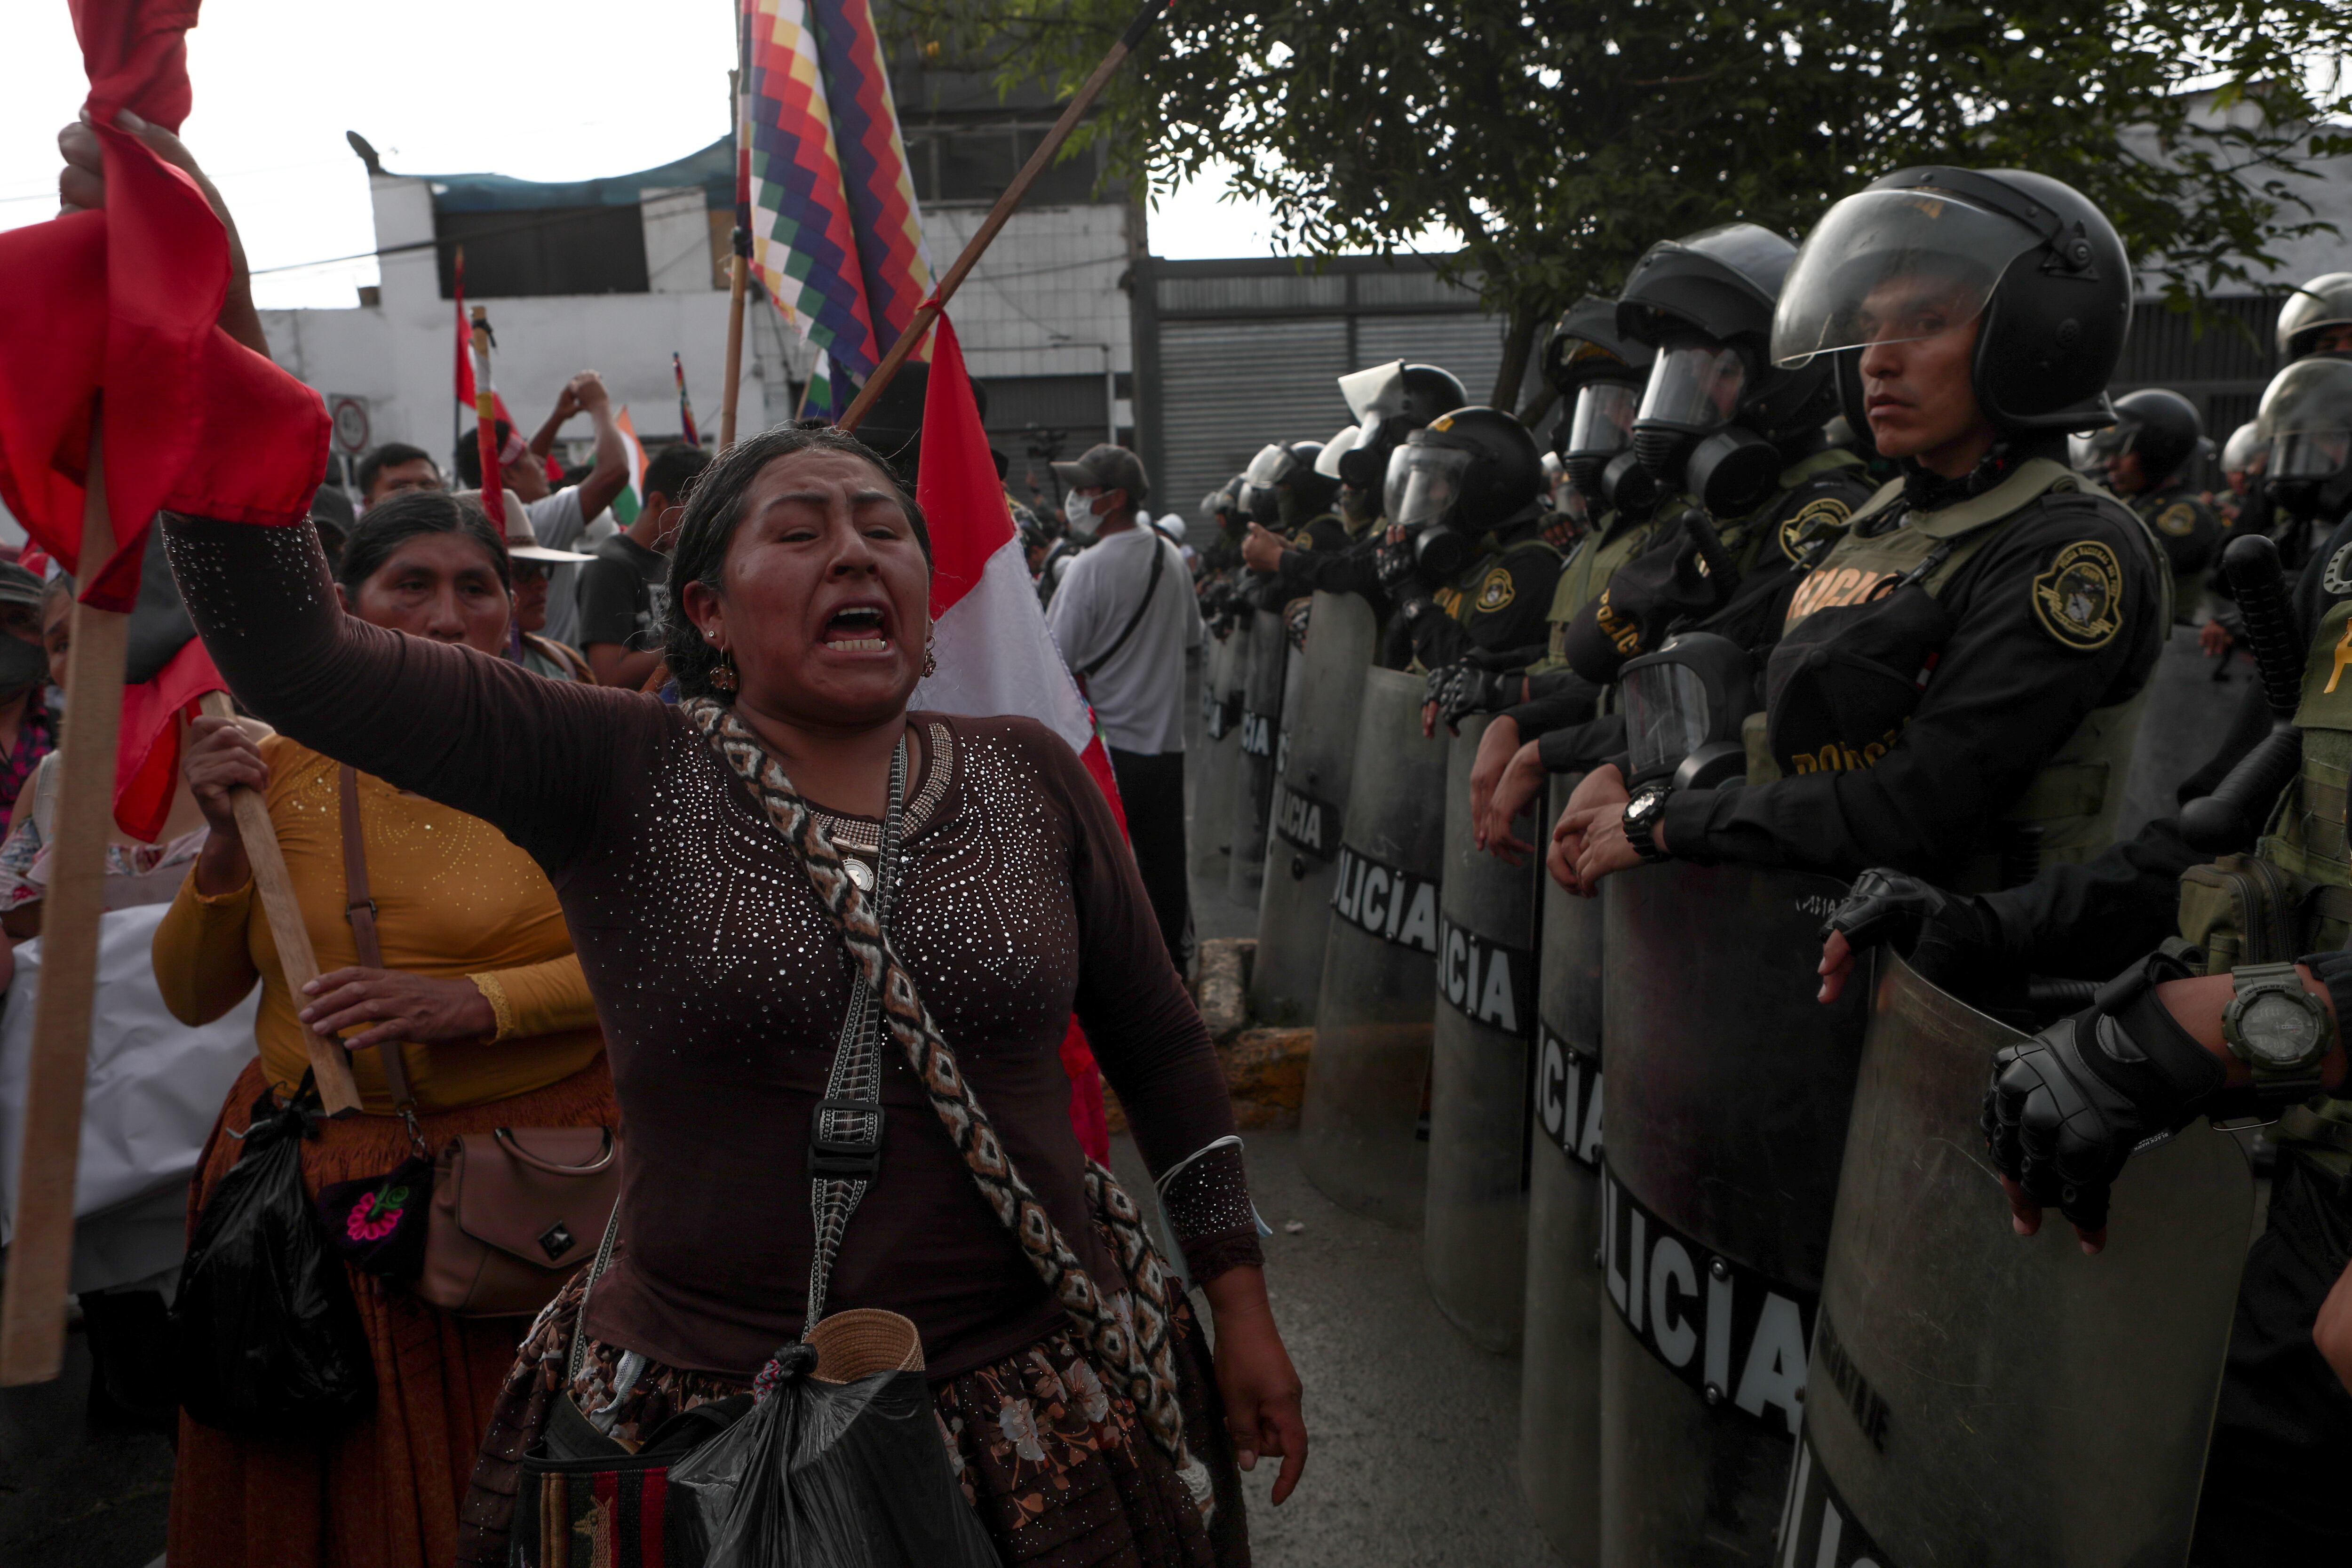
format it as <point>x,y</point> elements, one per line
<point>720,986</point>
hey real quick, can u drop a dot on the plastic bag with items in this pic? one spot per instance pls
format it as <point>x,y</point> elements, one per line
<point>841,1463</point>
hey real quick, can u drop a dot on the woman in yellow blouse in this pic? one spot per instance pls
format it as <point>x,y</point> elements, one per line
<point>480,986</point>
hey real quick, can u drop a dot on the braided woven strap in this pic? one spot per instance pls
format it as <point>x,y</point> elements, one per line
<point>1129,1340</point>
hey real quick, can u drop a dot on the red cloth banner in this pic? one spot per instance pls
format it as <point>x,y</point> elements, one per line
<point>116,309</point>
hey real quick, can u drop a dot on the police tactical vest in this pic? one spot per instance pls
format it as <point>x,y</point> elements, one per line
<point>2293,894</point>
<point>1588,567</point>
<point>2072,804</point>
<point>1745,537</point>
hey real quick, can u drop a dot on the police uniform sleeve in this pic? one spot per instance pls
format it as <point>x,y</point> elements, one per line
<point>2089,921</point>
<point>1559,703</point>
<point>2057,617</point>
<point>1508,603</point>
<point>1348,569</point>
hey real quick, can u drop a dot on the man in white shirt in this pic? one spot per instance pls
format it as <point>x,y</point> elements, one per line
<point>1124,618</point>
<point>559,518</point>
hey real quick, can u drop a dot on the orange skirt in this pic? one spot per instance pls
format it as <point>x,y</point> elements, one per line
<point>384,1491</point>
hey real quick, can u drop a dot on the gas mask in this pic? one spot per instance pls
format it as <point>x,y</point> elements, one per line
<point>1424,484</point>
<point>22,666</point>
<point>1684,432</point>
<point>1600,429</point>
<point>1683,706</point>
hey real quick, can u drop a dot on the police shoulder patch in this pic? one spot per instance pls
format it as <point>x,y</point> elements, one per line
<point>2336,576</point>
<point>1495,590</point>
<point>2080,598</point>
<point>1813,519</point>
<point>2177,519</point>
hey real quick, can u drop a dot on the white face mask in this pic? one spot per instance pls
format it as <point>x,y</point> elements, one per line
<point>1085,509</point>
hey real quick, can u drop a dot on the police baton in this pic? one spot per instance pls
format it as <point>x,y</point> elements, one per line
<point>1716,560</point>
<point>2228,819</point>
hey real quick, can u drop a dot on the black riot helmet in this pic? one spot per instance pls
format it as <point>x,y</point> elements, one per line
<point>2307,419</point>
<point>1289,467</point>
<point>1924,251</point>
<point>1717,418</point>
<point>2323,302</point>
<point>1598,373</point>
<point>2161,429</point>
<point>1391,401</point>
<point>1463,473</point>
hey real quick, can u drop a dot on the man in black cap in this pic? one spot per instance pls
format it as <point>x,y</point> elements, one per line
<point>1124,618</point>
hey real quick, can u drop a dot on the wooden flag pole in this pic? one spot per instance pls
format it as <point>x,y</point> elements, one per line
<point>738,281</point>
<point>40,1252</point>
<point>1006,204</point>
<point>330,1065</point>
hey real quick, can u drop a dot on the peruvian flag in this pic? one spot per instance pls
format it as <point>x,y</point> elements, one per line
<point>995,654</point>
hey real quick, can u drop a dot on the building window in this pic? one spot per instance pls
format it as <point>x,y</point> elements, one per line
<point>976,163</point>
<point>529,251</point>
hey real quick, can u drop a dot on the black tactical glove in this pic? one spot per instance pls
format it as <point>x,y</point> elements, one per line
<point>1470,688</point>
<point>1399,569</point>
<point>2067,1106</point>
<point>1949,938</point>
<point>1293,621</point>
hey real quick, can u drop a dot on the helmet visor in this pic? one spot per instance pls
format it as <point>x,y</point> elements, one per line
<point>1327,461</point>
<point>1271,466</point>
<point>2319,304</point>
<point>2244,450</point>
<point>1424,483</point>
<point>2307,419</point>
<point>1695,387</point>
<point>1376,394</point>
<point>1602,425</point>
<point>1892,267</point>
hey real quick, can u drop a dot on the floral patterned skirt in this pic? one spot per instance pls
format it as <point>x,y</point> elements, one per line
<point>1059,1468</point>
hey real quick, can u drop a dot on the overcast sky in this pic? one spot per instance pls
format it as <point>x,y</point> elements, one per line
<point>618,87</point>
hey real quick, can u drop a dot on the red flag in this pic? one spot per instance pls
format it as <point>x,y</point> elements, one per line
<point>995,654</point>
<point>120,305</point>
<point>147,767</point>
<point>466,364</point>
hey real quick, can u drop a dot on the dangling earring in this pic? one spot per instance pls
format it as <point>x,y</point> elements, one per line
<point>722,675</point>
<point>930,653</point>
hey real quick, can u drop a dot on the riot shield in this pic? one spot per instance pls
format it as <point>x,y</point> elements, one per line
<point>1725,1104</point>
<point>1980,1398</point>
<point>1266,664</point>
<point>2187,714</point>
<point>1213,787</point>
<point>1314,760</point>
<point>1359,1132</point>
<point>1474,1233</point>
<point>1560,1369</point>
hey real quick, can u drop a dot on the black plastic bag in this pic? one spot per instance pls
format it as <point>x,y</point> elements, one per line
<point>832,1475</point>
<point>265,1335</point>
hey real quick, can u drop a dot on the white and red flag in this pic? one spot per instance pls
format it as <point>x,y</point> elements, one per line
<point>995,654</point>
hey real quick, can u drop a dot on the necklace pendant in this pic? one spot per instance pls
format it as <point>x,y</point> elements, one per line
<point>859,873</point>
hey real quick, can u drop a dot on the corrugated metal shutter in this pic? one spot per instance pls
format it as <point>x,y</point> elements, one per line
<point>1227,388</point>
<point>1471,346</point>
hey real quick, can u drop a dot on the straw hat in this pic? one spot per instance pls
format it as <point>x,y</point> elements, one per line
<point>522,539</point>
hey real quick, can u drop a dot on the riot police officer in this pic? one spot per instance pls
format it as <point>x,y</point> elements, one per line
<point>1465,563</point>
<point>1742,440</point>
<point>2279,1419</point>
<point>2142,458</point>
<point>1954,683</point>
<point>1390,401</point>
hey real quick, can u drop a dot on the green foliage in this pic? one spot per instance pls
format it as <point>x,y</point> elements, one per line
<point>1560,138</point>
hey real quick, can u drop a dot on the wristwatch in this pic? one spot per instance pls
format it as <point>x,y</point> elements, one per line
<point>2280,1030</point>
<point>1641,813</point>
